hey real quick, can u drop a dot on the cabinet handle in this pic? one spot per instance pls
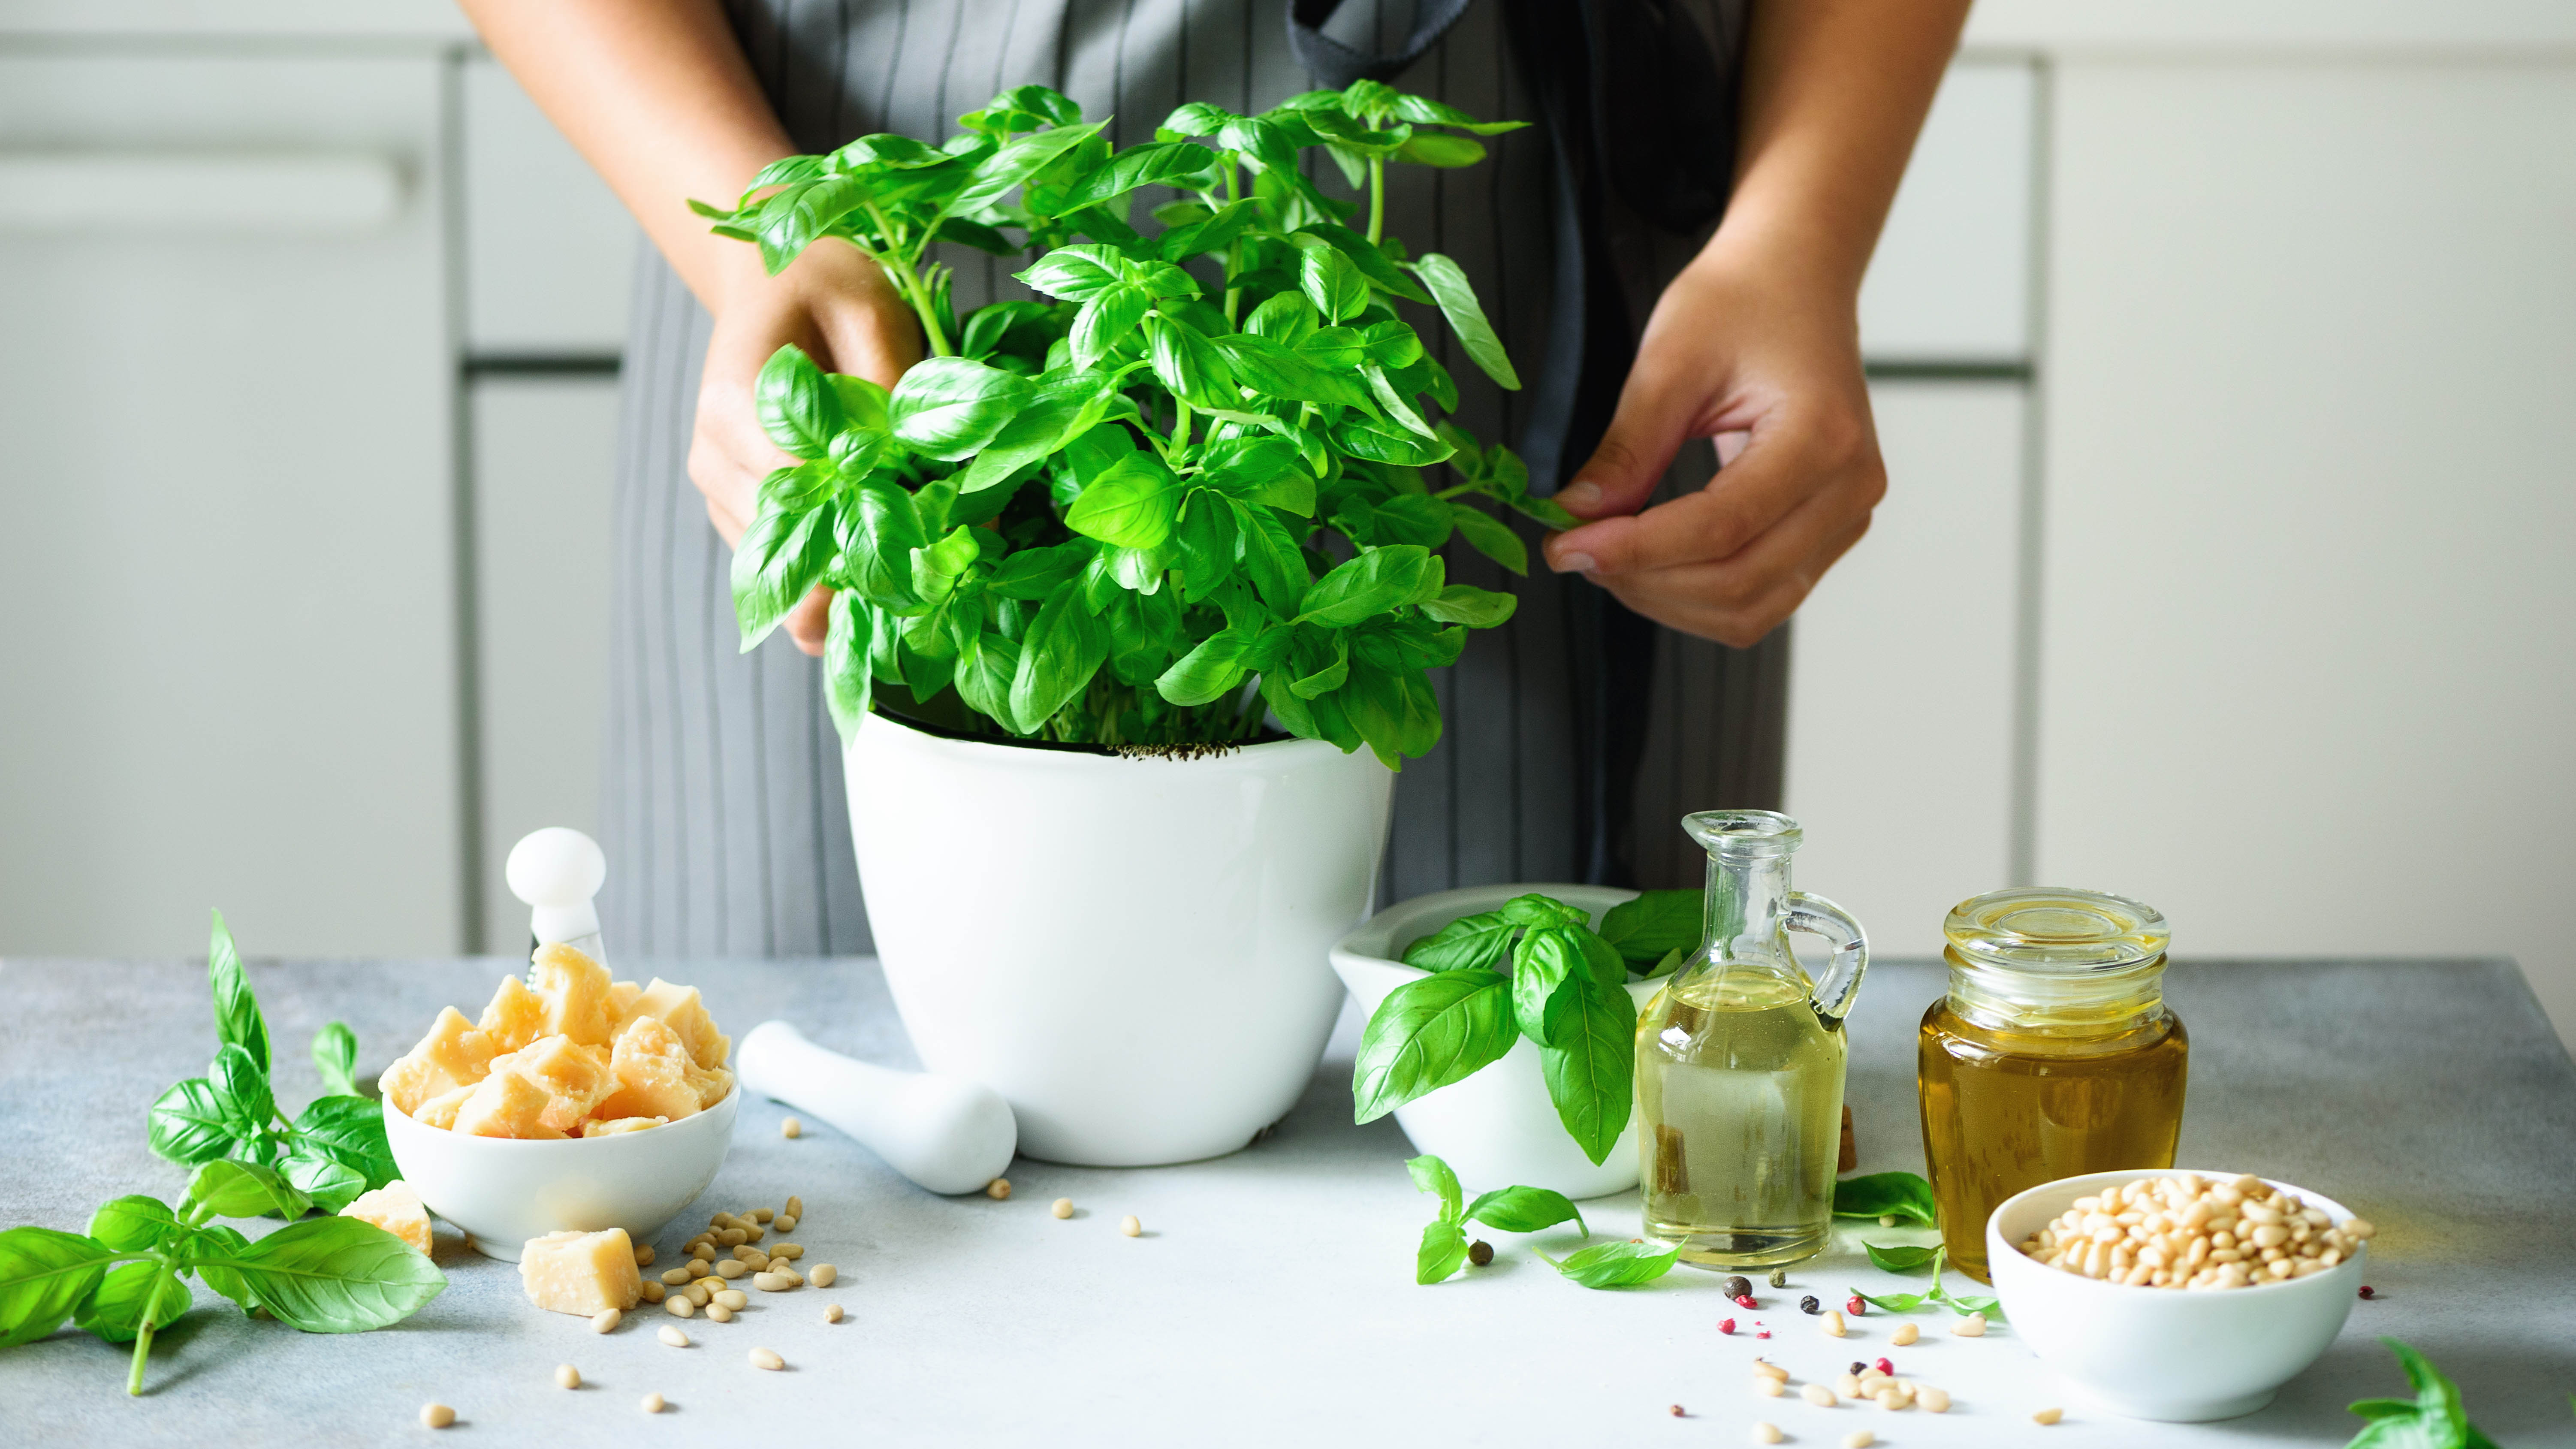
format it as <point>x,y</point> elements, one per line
<point>263,193</point>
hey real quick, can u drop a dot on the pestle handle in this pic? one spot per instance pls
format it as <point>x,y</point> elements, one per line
<point>945,1133</point>
<point>556,871</point>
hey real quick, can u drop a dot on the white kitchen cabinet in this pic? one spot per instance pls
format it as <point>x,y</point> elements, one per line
<point>1950,281</point>
<point>1901,676</point>
<point>549,252</point>
<point>542,454</point>
<point>2309,610</point>
<point>229,656</point>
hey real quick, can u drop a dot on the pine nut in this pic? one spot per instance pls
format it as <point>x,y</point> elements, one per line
<point>675,1276</point>
<point>605,1320</point>
<point>436,1416</point>
<point>824,1273</point>
<point>1770,1370</point>
<point>1861,1440</point>
<point>653,1291</point>
<point>763,1216</point>
<point>751,1258</point>
<point>733,1237</point>
<point>698,1268</point>
<point>790,1127</point>
<point>721,1221</point>
<point>1768,1387</point>
<point>652,1403</point>
<point>1847,1386</point>
<point>1905,1333</point>
<point>1818,1395</point>
<point>1972,1326</point>
<point>998,1189</point>
<point>2048,1416</point>
<point>670,1333</point>
<point>644,1256</point>
<point>568,1376</point>
<point>762,1358</point>
<point>1889,1398</point>
<point>795,1206</point>
<point>733,1298</point>
<point>753,1234</point>
<point>769,1282</point>
<point>1766,1433</point>
<point>699,1293</point>
<point>678,1305</point>
<point>719,1313</point>
<point>1129,1226</point>
<point>831,1313</point>
<point>790,1251</point>
<point>1062,1207</point>
<point>732,1268</point>
<point>786,1223</point>
<point>1934,1401</point>
<point>1833,1323</point>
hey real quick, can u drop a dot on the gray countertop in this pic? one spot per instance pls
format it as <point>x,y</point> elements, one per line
<point>1271,1299</point>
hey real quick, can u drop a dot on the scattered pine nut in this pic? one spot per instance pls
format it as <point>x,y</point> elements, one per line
<point>795,1207</point>
<point>732,1268</point>
<point>567,1376</point>
<point>824,1273</point>
<point>1130,1226</point>
<point>653,1291</point>
<point>675,1276</point>
<point>1934,1401</point>
<point>605,1320</point>
<point>1769,1387</point>
<point>733,1237</point>
<point>1972,1326</point>
<point>699,1293</point>
<point>698,1268</point>
<point>644,1255</point>
<point>719,1313</point>
<point>763,1216</point>
<point>1818,1395</point>
<point>1847,1386</point>
<point>1860,1440</point>
<point>786,1223</point>
<point>733,1298</point>
<point>998,1189</point>
<point>790,1127</point>
<point>1062,1207</point>
<point>1891,1398</point>
<point>1905,1333</point>
<point>1833,1323</point>
<point>678,1306</point>
<point>753,1234</point>
<point>652,1403</point>
<point>2048,1416</point>
<point>1766,1433</point>
<point>1770,1370</point>
<point>831,1313</point>
<point>790,1251</point>
<point>436,1416</point>
<point>720,1221</point>
<point>770,1282</point>
<point>670,1333</point>
<point>762,1358</point>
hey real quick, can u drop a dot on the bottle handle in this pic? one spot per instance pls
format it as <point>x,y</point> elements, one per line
<point>1816,916</point>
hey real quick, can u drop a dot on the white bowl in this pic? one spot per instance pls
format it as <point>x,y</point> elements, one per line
<point>2159,1353</point>
<point>1496,1128</point>
<point>503,1191</point>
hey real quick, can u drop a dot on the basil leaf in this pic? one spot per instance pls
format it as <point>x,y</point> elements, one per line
<point>214,1242</point>
<point>1104,320</point>
<point>948,407</point>
<point>241,1085</point>
<point>1379,581</point>
<point>1328,278</point>
<point>1132,505</point>
<point>1491,537</point>
<point>1395,711</point>
<point>798,409</point>
<point>135,1224</point>
<point>1547,511</point>
<point>1617,1265</point>
<point>1287,319</point>
<point>1431,148</point>
<point>1443,1250</point>
<point>1401,447</point>
<point>1991,1307</point>
<point>190,1124</point>
<point>245,1190</point>
<point>1465,944</point>
<point>1900,1257</point>
<point>1654,923</point>
<point>44,1276</point>
<point>1590,1063</point>
<point>1075,272</point>
<point>1457,298</point>
<point>1526,1210</point>
<point>331,1185</point>
<point>335,1056</point>
<point>1541,963</point>
<point>1064,647</point>
<point>1064,404</point>
<point>237,1018</point>
<point>1885,1194</point>
<point>1424,111</point>
<point>1207,673</point>
<point>985,670</point>
<point>1189,364</point>
<point>115,1309</point>
<point>351,1132</point>
<point>1015,162</point>
<point>1432,1175</point>
<point>1894,1302</point>
<point>335,1275</point>
<point>781,558</point>
<point>880,528</point>
<point>1209,233</point>
<point>1371,263</point>
<point>1184,164</point>
<point>1279,371</point>
<point>1534,909</point>
<point>1476,608</point>
<point>849,681</point>
<point>1427,1034</point>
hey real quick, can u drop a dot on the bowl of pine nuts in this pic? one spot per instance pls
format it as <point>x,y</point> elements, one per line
<point>2180,1296</point>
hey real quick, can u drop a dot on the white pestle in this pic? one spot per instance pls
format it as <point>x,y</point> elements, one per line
<point>946,1133</point>
<point>557,871</point>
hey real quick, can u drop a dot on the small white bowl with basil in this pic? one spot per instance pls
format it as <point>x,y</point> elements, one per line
<point>1464,1080</point>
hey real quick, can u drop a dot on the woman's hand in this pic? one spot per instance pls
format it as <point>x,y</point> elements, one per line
<point>841,310</point>
<point>1743,353</point>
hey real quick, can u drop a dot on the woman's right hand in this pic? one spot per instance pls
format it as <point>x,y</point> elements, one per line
<point>837,306</point>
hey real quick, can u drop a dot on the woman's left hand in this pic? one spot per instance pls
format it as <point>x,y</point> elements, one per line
<point>1733,348</point>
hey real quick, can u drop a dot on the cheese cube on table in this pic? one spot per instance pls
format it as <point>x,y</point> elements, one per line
<point>573,1077</point>
<point>395,1208</point>
<point>578,1272</point>
<point>516,1017</point>
<point>576,993</point>
<point>680,1009</point>
<point>454,1054</point>
<point>506,1104</point>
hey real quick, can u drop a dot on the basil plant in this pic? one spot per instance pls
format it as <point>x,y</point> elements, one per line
<point>1185,492</point>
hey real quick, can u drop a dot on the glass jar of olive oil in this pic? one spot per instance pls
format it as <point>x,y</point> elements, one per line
<point>2052,1055</point>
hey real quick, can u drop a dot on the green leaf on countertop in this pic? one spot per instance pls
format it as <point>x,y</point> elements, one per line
<point>190,1124</point>
<point>335,1056</point>
<point>115,1309</point>
<point>2434,1419</point>
<point>234,1189</point>
<point>237,1018</point>
<point>1443,1250</point>
<point>1432,1175</point>
<point>1894,1302</point>
<point>1901,1195</point>
<point>1617,1265</point>
<point>44,1276</point>
<point>1901,1257</point>
<point>335,1275</point>
<point>136,1223</point>
<point>1525,1210</point>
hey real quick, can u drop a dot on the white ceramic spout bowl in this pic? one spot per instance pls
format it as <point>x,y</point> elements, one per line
<point>503,1192</point>
<point>1131,951</point>
<point>1497,1128</point>
<point>2158,1353</point>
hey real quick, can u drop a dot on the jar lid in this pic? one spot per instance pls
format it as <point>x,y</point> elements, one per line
<point>2056,931</point>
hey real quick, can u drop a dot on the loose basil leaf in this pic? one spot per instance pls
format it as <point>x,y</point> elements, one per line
<point>209,1245</point>
<point>237,1018</point>
<point>1465,944</point>
<point>1991,1307</point>
<point>1432,1175</point>
<point>1443,1250</point>
<point>1900,1257</point>
<point>44,1276</point>
<point>2434,1419</point>
<point>115,1309</point>
<point>1457,298</point>
<point>1525,1210</point>
<point>245,1190</point>
<point>1542,961</point>
<point>331,1185</point>
<point>350,1131</point>
<point>1885,1194</point>
<point>1589,1063</point>
<point>1617,1265</point>
<point>335,1056</point>
<point>135,1224</point>
<point>948,407</point>
<point>335,1275</point>
<point>1427,1034</point>
<point>1895,1302</point>
<point>1654,923</point>
<point>190,1124</point>
<point>241,1085</point>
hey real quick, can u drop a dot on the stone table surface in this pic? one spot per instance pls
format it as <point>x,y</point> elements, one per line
<point>1271,1299</point>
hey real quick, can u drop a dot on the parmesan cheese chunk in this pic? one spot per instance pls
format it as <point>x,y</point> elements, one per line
<point>453,1055</point>
<point>516,1017</point>
<point>653,1073</point>
<point>621,1125</point>
<point>578,1272</point>
<point>395,1208</point>
<point>574,1078</point>
<point>680,1009</point>
<point>440,1111</point>
<point>576,993</point>
<point>506,1104</point>
<point>621,1005</point>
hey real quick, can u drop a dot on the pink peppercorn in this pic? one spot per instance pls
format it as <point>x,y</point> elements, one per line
<point>1887,1368</point>
<point>1726,1325</point>
<point>1856,1307</point>
<point>1766,1333</point>
<point>2368,1292</point>
<point>1744,1301</point>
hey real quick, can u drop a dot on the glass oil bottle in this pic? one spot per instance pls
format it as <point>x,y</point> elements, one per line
<point>1740,1060</point>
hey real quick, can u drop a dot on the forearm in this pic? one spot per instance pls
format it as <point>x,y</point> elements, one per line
<point>657,95</point>
<point>1834,92</point>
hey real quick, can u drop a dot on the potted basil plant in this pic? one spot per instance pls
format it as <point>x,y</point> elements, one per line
<point>1125,576</point>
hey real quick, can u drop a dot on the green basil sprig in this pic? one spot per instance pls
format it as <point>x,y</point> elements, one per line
<point>127,1276</point>
<point>1905,1258</point>
<point>2433,1419</point>
<point>1900,1195</point>
<point>1182,496</point>
<point>332,1152</point>
<point>1565,990</point>
<point>1508,1209</point>
<point>1617,1265</point>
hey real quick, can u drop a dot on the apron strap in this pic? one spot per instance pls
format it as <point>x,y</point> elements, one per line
<point>1336,65</point>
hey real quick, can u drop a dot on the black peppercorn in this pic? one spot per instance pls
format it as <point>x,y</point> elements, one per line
<point>1808,1304</point>
<point>1480,1252</point>
<point>1779,1277</point>
<point>1739,1287</point>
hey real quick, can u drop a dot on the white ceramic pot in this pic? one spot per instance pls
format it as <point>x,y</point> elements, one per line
<point>1131,951</point>
<point>1497,1128</point>
<point>2160,1353</point>
<point>503,1192</point>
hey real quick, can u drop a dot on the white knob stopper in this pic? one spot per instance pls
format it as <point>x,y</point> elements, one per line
<point>556,871</point>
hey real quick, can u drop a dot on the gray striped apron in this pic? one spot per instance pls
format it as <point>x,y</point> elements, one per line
<point>722,810</point>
